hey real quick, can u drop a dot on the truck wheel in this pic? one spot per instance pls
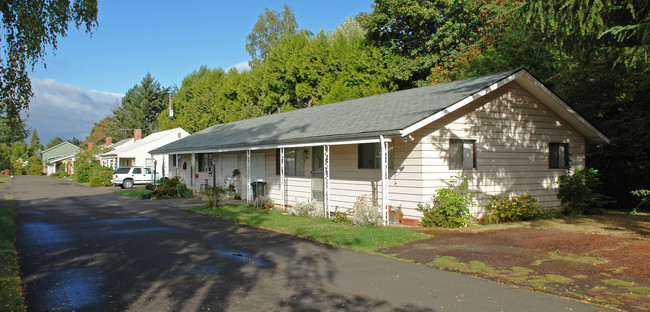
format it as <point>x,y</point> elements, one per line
<point>128,183</point>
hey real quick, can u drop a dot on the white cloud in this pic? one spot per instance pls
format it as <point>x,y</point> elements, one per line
<point>66,111</point>
<point>241,66</point>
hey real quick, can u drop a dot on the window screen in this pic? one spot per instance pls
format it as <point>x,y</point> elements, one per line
<point>558,157</point>
<point>462,154</point>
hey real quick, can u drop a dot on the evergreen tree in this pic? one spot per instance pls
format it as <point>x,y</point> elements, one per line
<point>35,143</point>
<point>139,110</point>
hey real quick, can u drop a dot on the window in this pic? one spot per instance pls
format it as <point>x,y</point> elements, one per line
<point>137,170</point>
<point>294,161</point>
<point>558,157</point>
<point>370,156</point>
<point>462,154</point>
<point>147,171</point>
<point>204,162</point>
<point>174,162</point>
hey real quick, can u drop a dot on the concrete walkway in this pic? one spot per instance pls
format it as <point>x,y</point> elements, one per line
<point>91,250</point>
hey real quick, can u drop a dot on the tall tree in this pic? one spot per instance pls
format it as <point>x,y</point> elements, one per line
<point>34,143</point>
<point>268,30</point>
<point>54,142</point>
<point>11,132</point>
<point>140,108</point>
<point>415,35</point>
<point>28,28</point>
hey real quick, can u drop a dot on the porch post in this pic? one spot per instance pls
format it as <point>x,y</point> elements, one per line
<point>192,168</point>
<point>283,188</point>
<point>249,188</point>
<point>326,180</point>
<point>384,179</point>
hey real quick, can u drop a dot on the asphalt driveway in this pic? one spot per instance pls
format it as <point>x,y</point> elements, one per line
<point>91,250</point>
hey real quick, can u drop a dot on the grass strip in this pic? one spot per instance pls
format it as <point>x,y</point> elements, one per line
<point>11,296</point>
<point>363,238</point>
<point>135,193</point>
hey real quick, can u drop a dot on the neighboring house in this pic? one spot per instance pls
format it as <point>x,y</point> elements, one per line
<point>59,157</point>
<point>506,130</point>
<point>135,151</point>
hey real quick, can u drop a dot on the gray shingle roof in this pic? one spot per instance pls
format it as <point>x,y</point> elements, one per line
<point>365,117</point>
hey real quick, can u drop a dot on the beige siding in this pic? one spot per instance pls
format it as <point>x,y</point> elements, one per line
<point>512,131</point>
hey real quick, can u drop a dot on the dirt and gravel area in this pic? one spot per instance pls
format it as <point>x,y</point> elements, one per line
<point>599,259</point>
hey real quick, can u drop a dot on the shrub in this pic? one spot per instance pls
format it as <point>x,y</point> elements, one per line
<point>149,186</point>
<point>579,192</point>
<point>450,205</point>
<point>164,192</point>
<point>183,191</point>
<point>644,204</point>
<point>83,171</point>
<point>56,174</point>
<point>550,214</point>
<point>309,208</point>
<point>35,167</point>
<point>171,188</point>
<point>208,196</point>
<point>365,212</point>
<point>341,217</point>
<point>520,207</point>
<point>100,176</point>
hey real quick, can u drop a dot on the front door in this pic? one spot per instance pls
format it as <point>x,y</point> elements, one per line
<point>317,173</point>
<point>258,167</point>
<point>228,165</point>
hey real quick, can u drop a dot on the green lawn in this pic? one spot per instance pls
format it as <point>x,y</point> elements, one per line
<point>135,193</point>
<point>363,238</point>
<point>10,290</point>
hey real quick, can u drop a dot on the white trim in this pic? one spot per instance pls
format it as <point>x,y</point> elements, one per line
<point>582,122</point>
<point>418,125</point>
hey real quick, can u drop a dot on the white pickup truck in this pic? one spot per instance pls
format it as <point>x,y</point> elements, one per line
<point>126,177</point>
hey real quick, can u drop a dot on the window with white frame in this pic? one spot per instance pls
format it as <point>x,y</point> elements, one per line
<point>369,156</point>
<point>462,154</point>
<point>558,157</point>
<point>294,161</point>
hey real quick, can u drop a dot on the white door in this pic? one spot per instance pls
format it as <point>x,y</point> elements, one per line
<point>258,167</point>
<point>228,165</point>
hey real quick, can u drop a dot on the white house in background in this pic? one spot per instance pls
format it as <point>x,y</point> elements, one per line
<point>135,151</point>
<point>59,157</point>
<point>506,130</point>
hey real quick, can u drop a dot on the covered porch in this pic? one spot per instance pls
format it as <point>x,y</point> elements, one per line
<point>331,173</point>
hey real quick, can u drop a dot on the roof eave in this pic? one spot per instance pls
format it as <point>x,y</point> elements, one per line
<point>368,137</point>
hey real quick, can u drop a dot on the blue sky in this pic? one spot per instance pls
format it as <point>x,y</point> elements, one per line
<point>86,75</point>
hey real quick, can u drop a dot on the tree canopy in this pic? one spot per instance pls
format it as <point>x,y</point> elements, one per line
<point>29,27</point>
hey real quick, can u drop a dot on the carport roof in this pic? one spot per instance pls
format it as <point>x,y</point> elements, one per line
<point>390,114</point>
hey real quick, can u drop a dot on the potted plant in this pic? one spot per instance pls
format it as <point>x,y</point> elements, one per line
<point>235,173</point>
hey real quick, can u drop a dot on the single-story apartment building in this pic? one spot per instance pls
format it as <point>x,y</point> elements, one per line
<point>59,157</point>
<point>135,151</point>
<point>506,130</point>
